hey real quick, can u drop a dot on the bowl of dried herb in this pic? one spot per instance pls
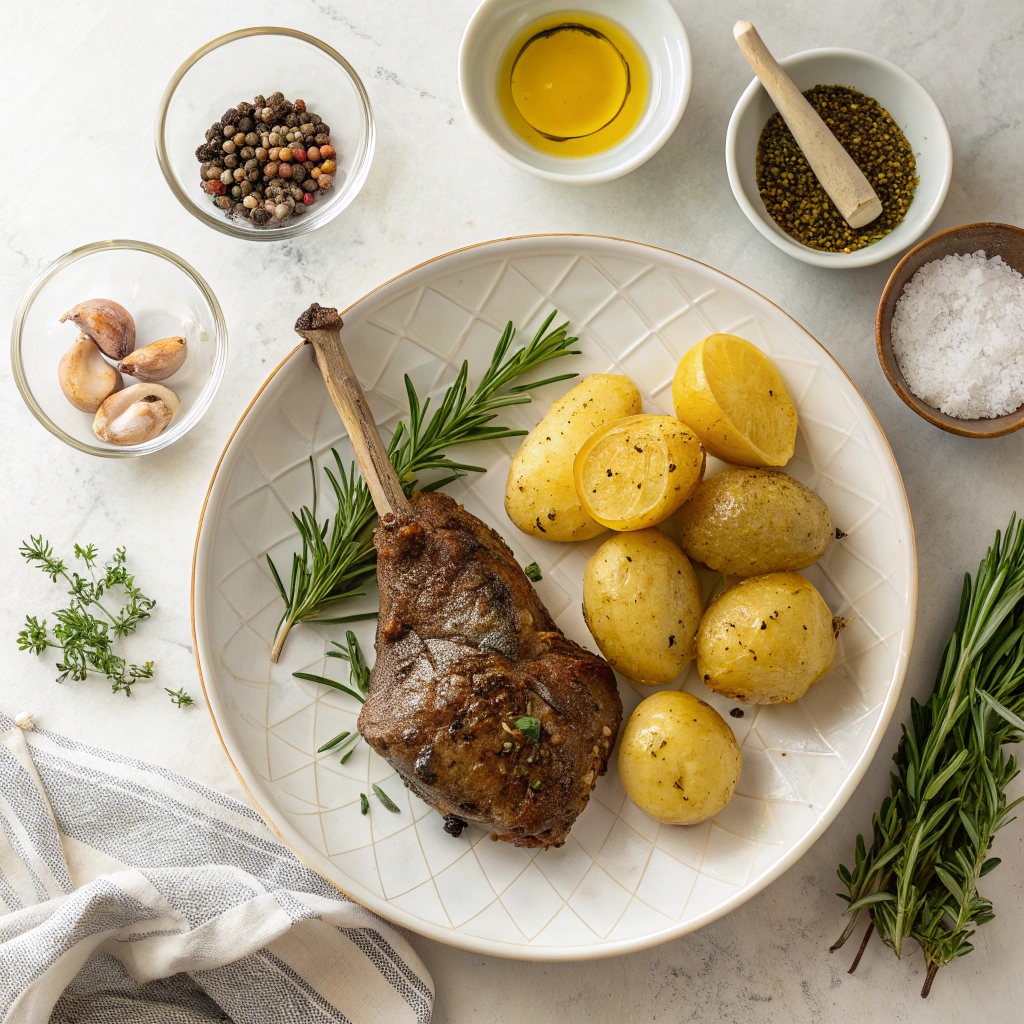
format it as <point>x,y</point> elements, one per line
<point>888,123</point>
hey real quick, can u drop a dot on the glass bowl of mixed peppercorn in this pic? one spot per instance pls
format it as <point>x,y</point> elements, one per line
<point>258,159</point>
<point>885,120</point>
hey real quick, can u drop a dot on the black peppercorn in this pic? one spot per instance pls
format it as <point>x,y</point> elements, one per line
<point>322,129</point>
<point>244,124</point>
<point>259,102</point>
<point>230,116</point>
<point>275,98</point>
<point>244,109</point>
<point>231,160</point>
<point>321,138</point>
<point>313,119</point>
<point>298,173</point>
<point>254,176</point>
<point>204,153</point>
<point>292,120</point>
<point>216,128</point>
<point>309,185</point>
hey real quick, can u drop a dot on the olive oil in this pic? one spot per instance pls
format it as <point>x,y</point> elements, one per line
<point>573,84</point>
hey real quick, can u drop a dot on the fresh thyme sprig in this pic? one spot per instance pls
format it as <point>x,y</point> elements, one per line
<point>86,629</point>
<point>932,835</point>
<point>337,557</point>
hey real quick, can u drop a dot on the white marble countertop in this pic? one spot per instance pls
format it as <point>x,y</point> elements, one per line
<point>87,78</point>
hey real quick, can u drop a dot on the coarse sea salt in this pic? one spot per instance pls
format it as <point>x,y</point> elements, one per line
<point>958,336</point>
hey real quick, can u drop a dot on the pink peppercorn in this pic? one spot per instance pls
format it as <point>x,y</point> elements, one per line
<point>284,170</point>
<point>308,199</point>
<point>313,153</point>
<point>327,152</point>
<point>299,155</point>
<point>215,188</point>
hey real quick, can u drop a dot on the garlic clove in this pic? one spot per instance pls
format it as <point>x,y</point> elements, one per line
<point>85,377</point>
<point>155,361</point>
<point>107,322</point>
<point>137,414</point>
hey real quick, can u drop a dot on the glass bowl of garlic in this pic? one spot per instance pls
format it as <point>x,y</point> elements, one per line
<point>118,348</point>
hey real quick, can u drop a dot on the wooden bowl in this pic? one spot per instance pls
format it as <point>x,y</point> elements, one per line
<point>996,240</point>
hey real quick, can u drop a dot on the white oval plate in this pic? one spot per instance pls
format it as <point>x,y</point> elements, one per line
<point>622,882</point>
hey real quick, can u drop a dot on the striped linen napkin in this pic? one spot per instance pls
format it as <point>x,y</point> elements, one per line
<point>130,893</point>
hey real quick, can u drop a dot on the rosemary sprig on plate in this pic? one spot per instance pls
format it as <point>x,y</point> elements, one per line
<point>86,629</point>
<point>337,557</point>
<point>358,676</point>
<point>931,837</point>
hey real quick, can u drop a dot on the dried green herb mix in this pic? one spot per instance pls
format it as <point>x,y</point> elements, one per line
<point>794,197</point>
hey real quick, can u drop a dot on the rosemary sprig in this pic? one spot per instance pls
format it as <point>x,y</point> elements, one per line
<point>931,837</point>
<point>337,557</point>
<point>358,676</point>
<point>86,629</point>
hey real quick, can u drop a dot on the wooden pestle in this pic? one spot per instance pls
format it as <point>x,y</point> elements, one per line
<point>321,327</point>
<point>841,178</point>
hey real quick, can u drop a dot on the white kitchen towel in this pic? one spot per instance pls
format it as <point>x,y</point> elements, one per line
<point>131,894</point>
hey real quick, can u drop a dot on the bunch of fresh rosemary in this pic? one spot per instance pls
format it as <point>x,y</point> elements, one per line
<point>337,557</point>
<point>919,878</point>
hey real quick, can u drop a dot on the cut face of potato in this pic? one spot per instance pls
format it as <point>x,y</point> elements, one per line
<point>747,522</point>
<point>540,495</point>
<point>642,602</point>
<point>732,396</point>
<point>678,759</point>
<point>635,472</point>
<point>766,640</point>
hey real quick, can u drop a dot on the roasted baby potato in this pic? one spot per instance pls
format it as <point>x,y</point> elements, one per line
<point>635,472</point>
<point>678,759</point>
<point>643,603</point>
<point>767,640</point>
<point>540,496</point>
<point>747,522</point>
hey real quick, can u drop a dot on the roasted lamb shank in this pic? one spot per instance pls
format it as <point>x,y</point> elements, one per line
<point>477,699</point>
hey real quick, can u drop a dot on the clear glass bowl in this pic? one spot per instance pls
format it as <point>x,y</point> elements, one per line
<point>164,295</point>
<point>235,68</point>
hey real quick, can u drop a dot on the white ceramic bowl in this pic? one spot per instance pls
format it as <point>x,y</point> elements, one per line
<point>659,35</point>
<point>164,295</point>
<point>904,97</point>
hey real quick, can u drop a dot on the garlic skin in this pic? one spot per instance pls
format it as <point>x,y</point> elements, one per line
<point>155,361</point>
<point>107,322</point>
<point>23,720</point>
<point>85,377</point>
<point>137,414</point>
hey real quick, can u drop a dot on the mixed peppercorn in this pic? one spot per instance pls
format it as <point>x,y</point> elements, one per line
<point>267,160</point>
<point>794,197</point>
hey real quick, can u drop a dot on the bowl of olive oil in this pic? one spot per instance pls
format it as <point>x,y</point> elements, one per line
<point>581,91</point>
